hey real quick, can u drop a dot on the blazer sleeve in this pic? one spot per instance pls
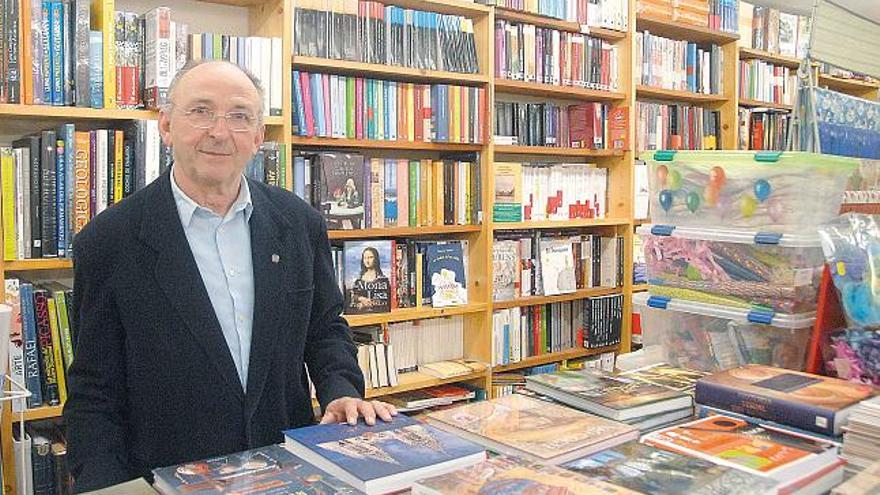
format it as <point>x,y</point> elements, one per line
<point>96,378</point>
<point>330,352</point>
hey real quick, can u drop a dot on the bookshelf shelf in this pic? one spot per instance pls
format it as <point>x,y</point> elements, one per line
<point>45,412</point>
<point>457,7</point>
<point>407,314</point>
<point>671,29</point>
<point>849,86</point>
<point>319,142</point>
<point>773,58</point>
<point>538,300</point>
<point>553,151</point>
<point>551,23</point>
<point>560,224</point>
<point>53,112</point>
<point>38,264</point>
<point>745,102</point>
<point>393,72</point>
<point>553,357</point>
<point>403,231</point>
<point>415,380</point>
<point>640,288</point>
<point>508,86</point>
<point>678,95</point>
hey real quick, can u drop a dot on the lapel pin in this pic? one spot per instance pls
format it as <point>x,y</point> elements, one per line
<point>275,258</point>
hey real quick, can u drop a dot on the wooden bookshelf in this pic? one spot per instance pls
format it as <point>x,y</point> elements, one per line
<point>551,23</point>
<point>407,314</point>
<point>45,412</point>
<point>678,95</point>
<point>681,31</point>
<point>573,296</point>
<point>466,8</point>
<point>403,232</point>
<point>509,86</point>
<point>553,357</point>
<point>854,87</point>
<point>640,288</point>
<point>744,102</point>
<point>415,380</point>
<point>773,58</point>
<point>392,72</point>
<point>319,142</point>
<point>560,224</point>
<point>503,149</point>
<point>74,113</point>
<point>38,265</point>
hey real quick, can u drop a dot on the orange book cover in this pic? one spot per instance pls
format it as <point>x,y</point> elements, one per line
<point>618,128</point>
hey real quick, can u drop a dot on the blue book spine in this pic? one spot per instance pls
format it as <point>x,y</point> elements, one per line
<point>386,104</point>
<point>299,123</point>
<point>692,66</point>
<point>96,71</point>
<point>32,364</point>
<point>56,43</point>
<point>318,104</point>
<point>390,193</point>
<point>66,131</point>
<point>47,52</point>
<point>368,197</point>
<point>371,108</point>
<point>706,411</point>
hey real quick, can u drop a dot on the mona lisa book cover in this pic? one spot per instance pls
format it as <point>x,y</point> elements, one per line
<point>369,276</point>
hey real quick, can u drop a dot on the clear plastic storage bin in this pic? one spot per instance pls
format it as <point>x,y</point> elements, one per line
<point>711,337</point>
<point>766,190</point>
<point>734,268</point>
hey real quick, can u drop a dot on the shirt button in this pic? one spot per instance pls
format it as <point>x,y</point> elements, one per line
<point>232,273</point>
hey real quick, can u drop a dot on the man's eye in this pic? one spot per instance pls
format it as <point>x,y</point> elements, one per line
<point>200,111</point>
<point>239,117</point>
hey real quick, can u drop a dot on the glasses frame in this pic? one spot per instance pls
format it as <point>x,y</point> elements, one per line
<point>253,124</point>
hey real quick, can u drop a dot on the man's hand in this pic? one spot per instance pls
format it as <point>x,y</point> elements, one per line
<point>347,409</point>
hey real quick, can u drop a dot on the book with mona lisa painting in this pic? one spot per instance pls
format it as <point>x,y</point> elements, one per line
<point>369,276</point>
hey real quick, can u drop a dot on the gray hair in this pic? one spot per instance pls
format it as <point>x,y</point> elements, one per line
<point>192,64</point>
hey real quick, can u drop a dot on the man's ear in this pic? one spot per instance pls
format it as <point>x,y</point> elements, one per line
<point>165,125</point>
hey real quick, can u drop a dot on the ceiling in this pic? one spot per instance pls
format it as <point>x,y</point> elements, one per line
<point>867,8</point>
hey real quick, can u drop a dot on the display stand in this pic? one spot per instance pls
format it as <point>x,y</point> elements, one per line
<point>17,391</point>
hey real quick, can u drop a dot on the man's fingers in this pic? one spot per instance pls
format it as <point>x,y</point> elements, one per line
<point>351,411</point>
<point>383,410</point>
<point>367,412</point>
<point>328,418</point>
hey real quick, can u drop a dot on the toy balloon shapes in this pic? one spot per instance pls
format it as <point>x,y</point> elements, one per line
<point>693,201</point>
<point>674,180</point>
<point>717,177</point>
<point>775,210</point>
<point>747,206</point>
<point>762,190</point>
<point>666,199</point>
<point>662,173</point>
<point>711,194</point>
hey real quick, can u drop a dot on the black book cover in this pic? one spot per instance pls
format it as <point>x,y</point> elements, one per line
<point>32,143</point>
<point>48,189</point>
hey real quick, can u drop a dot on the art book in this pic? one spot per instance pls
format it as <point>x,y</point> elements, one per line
<point>646,469</point>
<point>811,402</point>
<point>270,470</point>
<point>369,276</point>
<point>667,376</point>
<point>504,475</point>
<point>533,429</point>
<point>340,189</point>
<point>446,274</point>
<point>383,458</point>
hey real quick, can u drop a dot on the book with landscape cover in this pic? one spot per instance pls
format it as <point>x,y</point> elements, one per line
<point>511,475</point>
<point>369,276</point>
<point>507,206</point>
<point>532,429</point>
<point>383,458</point>
<point>811,402</point>
<point>647,469</point>
<point>269,470</point>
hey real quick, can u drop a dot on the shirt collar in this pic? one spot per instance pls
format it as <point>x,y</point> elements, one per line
<point>187,207</point>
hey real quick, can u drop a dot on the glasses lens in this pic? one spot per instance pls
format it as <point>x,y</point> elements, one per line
<point>239,121</point>
<point>201,118</point>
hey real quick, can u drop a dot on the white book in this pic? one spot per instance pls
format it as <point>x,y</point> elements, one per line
<point>22,448</point>
<point>101,177</point>
<point>152,162</point>
<point>393,378</point>
<point>374,366</point>
<point>363,357</point>
<point>275,98</point>
<point>381,363</point>
<point>265,73</point>
<point>21,184</point>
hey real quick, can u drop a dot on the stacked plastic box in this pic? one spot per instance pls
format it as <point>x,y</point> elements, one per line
<point>733,257</point>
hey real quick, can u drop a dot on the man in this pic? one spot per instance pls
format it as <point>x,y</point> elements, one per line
<point>201,299</point>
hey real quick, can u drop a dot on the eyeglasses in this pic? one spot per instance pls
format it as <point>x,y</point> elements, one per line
<point>205,118</point>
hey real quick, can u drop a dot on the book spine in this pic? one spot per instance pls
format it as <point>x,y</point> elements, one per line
<point>31,347</point>
<point>799,415</point>
<point>7,176</point>
<point>44,339</point>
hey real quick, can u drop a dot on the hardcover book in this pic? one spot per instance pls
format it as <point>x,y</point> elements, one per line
<point>533,429</point>
<point>340,190</point>
<point>270,470</point>
<point>667,376</point>
<point>368,276</point>
<point>383,458</point>
<point>446,272</point>
<point>507,206</point>
<point>803,400</point>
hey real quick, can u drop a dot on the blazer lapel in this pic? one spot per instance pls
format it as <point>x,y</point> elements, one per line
<point>179,277</point>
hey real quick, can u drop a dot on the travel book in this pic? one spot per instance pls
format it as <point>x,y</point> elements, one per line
<point>269,470</point>
<point>383,458</point>
<point>667,376</point>
<point>811,402</point>
<point>510,475</point>
<point>533,429</point>
<point>647,469</point>
<point>369,276</point>
<point>612,396</point>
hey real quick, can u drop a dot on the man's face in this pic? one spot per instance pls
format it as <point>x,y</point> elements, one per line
<point>217,155</point>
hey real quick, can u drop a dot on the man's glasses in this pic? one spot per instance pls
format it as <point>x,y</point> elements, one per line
<point>205,118</point>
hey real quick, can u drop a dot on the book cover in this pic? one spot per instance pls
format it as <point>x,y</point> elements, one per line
<point>803,400</point>
<point>557,266</point>
<point>341,190</point>
<point>510,475</point>
<point>505,270</point>
<point>667,376</point>
<point>446,271</point>
<point>385,457</point>
<point>267,470</point>
<point>533,429</point>
<point>647,469</point>
<point>507,206</point>
<point>368,271</point>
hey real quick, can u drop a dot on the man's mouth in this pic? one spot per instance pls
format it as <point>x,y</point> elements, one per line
<point>215,153</point>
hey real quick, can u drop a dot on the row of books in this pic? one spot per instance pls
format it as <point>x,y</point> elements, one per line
<point>677,127</point>
<point>420,342</point>
<point>433,397</point>
<point>546,264</point>
<point>585,125</point>
<point>56,181</point>
<point>335,106</point>
<point>269,164</point>
<point>41,340</point>
<point>355,192</point>
<point>545,191</point>
<point>769,29</point>
<point>679,65</point>
<point>609,14</point>
<point>718,15</point>
<point>372,32</point>
<point>524,52</point>
<point>763,129</point>
<point>378,276</point>
<point>763,81</point>
<point>43,454</point>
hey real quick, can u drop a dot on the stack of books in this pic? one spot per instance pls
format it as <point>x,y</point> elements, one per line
<point>861,437</point>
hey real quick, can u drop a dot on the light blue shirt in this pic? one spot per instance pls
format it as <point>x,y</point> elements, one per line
<point>222,249</point>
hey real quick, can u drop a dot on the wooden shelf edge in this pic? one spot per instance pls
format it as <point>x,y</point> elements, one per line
<point>555,151</point>
<point>572,296</point>
<point>320,142</point>
<point>38,264</point>
<point>560,224</point>
<point>363,69</point>
<point>677,95</point>
<point>745,102</point>
<point>639,288</point>
<point>672,29</point>
<point>774,58</point>
<point>844,85</point>
<point>464,8</point>
<point>403,231</point>
<point>415,380</point>
<point>407,314</point>
<point>552,358</point>
<point>44,412</point>
<point>559,24</point>
<point>511,86</point>
<point>59,112</point>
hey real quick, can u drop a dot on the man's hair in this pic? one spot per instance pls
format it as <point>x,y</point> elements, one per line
<point>192,64</point>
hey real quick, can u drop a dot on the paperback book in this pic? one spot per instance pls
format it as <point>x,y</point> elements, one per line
<point>368,276</point>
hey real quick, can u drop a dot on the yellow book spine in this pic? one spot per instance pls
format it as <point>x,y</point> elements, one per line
<point>102,19</point>
<point>455,115</point>
<point>419,277</point>
<point>56,350</point>
<point>118,162</point>
<point>7,182</point>
<point>437,191</point>
<point>410,112</point>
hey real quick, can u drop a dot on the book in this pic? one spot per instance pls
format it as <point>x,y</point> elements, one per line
<point>505,474</point>
<point>667,376</point>
<point>867,482</point>
<point>368,276</point>
<point>557,266</point>
<point>383,458</point>
<point>612,396</point>
<point>532,429</point>
<point>266,470</point>
<point>451,368</point>
<point>811,402</point>
<point>507,206</point>
<point>446,271</point>
<point>647,469</point>
<point>339,191</point>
